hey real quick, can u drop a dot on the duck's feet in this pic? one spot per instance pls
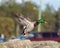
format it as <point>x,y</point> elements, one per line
<point>27,34</point>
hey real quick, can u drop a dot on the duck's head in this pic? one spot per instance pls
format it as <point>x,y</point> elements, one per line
<point>40,21</point>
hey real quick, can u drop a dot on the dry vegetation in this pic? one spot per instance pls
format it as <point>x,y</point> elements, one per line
<point>29,44</point>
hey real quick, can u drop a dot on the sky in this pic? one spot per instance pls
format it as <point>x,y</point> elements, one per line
<point>54,3</point>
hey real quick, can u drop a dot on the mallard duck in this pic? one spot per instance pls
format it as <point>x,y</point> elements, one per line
<point>28,26</point>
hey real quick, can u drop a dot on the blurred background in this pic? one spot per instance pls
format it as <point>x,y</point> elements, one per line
<point>46,9</point>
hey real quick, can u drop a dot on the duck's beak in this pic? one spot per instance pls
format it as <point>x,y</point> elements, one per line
<point>45,22</point>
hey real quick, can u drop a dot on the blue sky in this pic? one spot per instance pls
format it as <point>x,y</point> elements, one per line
<point>54,3</point>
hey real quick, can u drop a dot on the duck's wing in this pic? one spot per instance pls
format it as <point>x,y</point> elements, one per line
<point>22,20</point>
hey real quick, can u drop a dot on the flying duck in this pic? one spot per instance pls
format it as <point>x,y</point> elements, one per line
<point>28,26</point>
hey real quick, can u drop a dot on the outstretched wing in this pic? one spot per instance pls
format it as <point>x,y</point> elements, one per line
<point>22,20</point>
